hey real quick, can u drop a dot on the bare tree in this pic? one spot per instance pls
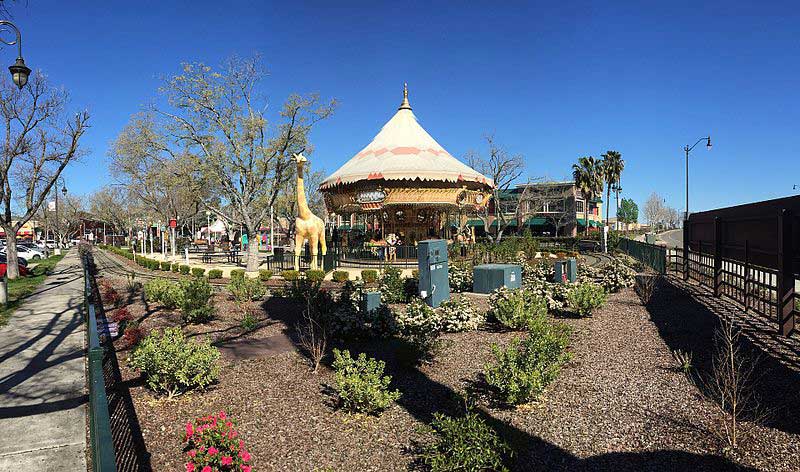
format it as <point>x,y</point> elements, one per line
<point>218,116</point>
<point>115,206</point>
<point>312,335</point>
<point>654,210</point>
<point>553,201</point>
<point>40,142</point>
<point>504,169</point>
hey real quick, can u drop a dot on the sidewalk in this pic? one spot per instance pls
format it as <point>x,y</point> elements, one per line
<point>42,377</point>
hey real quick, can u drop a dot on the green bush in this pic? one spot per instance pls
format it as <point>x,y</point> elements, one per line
<point>237,274</point>
<point>420,326</point>
<point>290,275</point>
<point>341,276</point>
<point>214,274</point>
<point>165,265</point>
<point>176,267</point>
<point>245,289</point>
<point>162,290</point>
<point>315,275</point>
<point>360,383</point>
<point>465,443</point>
<point>459,277</point>
<point>458,314</point>
<point>369,276</point>
<point>584,298</point>
<point>195,300</point>
<point>184,269</point>
<point>523,369</point>
<point>172,364</point>
<point>392,285</point>
<point>517,309</point>
<point>198,271</point>
<point>264,274</point>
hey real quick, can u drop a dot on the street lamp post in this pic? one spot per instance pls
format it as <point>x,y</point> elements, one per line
<point>19,71</point>
<point>208,226</point>
<point>688,149</point>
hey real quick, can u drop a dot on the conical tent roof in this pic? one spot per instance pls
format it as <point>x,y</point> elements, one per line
<point>403,150</point>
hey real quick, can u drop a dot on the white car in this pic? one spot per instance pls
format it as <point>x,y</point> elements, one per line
<point>27,253</point>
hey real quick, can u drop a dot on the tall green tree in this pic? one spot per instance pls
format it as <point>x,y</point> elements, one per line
<point>588,176</point>
<point>628,211</point>
<point>612,173</point>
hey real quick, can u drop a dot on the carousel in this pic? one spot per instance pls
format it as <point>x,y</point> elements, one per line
<point>404,187</point>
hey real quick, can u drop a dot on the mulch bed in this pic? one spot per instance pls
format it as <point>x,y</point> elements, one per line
<point>620,404</point>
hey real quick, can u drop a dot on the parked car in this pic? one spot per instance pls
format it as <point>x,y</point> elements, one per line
<point>27,253</point>
<point>22,269</point>
<point>21,261</point>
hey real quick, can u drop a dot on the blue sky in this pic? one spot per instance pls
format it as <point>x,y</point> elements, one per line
<point>552,80</point>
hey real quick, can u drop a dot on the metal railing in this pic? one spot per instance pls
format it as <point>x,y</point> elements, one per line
<point>100,439</point>
<point>650,255</point>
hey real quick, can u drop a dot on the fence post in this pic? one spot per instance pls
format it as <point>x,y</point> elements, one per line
<point>686,249</point>
<point>717,257</point>
<point>746,275</point>
<point>785,288</point>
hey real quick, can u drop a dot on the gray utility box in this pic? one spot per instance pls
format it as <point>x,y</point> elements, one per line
<point>489,277</point>
<point>370,301</point>
<point>650,238</point>
<point>565,271</point>
<point>434,286</point>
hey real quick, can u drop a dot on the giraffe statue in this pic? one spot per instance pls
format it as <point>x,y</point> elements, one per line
<point>307,225</point>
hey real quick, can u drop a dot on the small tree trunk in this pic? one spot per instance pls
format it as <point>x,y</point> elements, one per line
<point>12,261</point>
<point>252,252</point>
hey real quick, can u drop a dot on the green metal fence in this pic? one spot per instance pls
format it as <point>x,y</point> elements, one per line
<point>100,440</point>
<point>648,254</point>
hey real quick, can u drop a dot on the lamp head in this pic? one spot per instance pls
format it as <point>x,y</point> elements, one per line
<point>19,72</point>
<point>708,143</point>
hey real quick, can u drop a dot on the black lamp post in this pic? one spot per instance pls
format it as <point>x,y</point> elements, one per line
<point>19,71</point>
<point>688,149</point>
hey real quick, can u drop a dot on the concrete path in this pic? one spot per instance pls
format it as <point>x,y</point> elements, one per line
<point>42,379</point>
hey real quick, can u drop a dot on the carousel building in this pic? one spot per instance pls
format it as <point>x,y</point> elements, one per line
<point>406,184</point>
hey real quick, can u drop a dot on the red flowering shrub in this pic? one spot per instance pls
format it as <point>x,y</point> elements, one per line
<point>109,295</point>
<point>132,335</point>
<point>213,444</point>
<point>121,315</point>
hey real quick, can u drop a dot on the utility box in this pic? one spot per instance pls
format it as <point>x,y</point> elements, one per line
<point>560,272</point>
<point>370,301</point>
<point>572,269</point>
<point>434,286</point>
<point>650,238</point>
<point>489,277</point>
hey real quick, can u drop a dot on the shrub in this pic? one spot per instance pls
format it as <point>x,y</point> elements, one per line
<point>315,275</point>
<point>109,296</point>
<point>172,364</point>
<point>132,335</point>
<point>523,369</point>
<point>237,274</point>
<point>346,318</point>
<point>584,298</point>
<point>391,286</point>
<point>460,277</point>
<point>264,274</point>
<point>517,309</point>
<point>214,274</point>
<point>290,275</point>
<point>341,276</point>
<point>369,276</point>
<point>360,383</point>
<point>176,267</point>
<point>465,443</point>
<point>164,291</point>
<point>184,269</point>
<point>165,265</point>
<point>249,322</point>
<point>121,315</point>
<point>198,271</point>
<point>612,277</point>
<point>195,300</point>
<point>458,314</point>
<point>212,443</point>
<point>421,327</point>
<point>245,289</point>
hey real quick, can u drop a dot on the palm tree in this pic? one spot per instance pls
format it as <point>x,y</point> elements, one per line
<point>588,176</point>
<point>612,173</point>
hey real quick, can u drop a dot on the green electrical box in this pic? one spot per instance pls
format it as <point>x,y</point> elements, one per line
<point>370,301</point>
<point>489,277</point>
<point>572,269</point>
<point>434,286</point>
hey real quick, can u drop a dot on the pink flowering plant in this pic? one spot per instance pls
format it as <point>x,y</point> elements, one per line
<point>212,444</point>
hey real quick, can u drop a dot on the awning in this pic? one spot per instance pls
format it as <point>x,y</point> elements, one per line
<point>592,223</point>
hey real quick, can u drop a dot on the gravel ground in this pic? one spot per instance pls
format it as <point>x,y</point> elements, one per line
<point>620,404</point>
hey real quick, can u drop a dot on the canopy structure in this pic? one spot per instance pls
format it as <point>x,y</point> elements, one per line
<point>405,180</point>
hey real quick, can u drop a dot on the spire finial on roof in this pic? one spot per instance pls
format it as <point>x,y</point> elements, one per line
<point>405,105</point>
